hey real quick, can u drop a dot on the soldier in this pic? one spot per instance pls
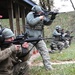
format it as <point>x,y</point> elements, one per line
<point>66,37</point>
<point>8,52</point>
<point>34,29</point>
<point>57,35</point>
<point>57,32</point>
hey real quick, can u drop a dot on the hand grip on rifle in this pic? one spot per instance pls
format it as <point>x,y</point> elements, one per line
<point>25,45</point>
<point>53,15</point>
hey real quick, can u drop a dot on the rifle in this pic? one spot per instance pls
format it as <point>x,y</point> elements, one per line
<point>20,39</point>
<point>47,19</point>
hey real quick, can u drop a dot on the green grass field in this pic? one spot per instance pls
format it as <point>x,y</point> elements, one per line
<point>58,70</point>
<point>67,55</point>
<point>63,69</point>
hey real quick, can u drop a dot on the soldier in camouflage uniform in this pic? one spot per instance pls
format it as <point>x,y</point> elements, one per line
<point>8,52</point>
<point>22,67</point>
<point>57,35</point>
<point>34,29</point>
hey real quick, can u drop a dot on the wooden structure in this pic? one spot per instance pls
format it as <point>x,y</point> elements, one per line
<point>15,9</point>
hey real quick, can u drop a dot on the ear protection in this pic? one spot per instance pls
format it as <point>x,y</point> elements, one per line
<point>2,36</point>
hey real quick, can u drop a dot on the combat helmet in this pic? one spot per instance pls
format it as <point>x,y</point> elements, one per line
<point>37,8</point>
<point>58,27</point>
<point>7,33</point>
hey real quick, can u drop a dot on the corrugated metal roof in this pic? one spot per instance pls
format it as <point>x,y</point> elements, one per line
<point>30,2</point>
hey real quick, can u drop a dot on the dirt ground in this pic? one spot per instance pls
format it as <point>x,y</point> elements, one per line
<point>39,63</point>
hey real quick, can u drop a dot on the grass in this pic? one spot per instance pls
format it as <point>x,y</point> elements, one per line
<point>58,70</point>
<point>67,69</point>
<point>65,20</point>
<point>67,55</point>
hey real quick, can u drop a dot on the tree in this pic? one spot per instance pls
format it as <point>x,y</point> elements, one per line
<point>46,4</point>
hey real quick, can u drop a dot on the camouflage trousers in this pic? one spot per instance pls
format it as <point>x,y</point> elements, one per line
<point>42,48</point>
<point>21,68</point>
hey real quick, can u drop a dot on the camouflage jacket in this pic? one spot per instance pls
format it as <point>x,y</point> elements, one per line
<point>7,60</point>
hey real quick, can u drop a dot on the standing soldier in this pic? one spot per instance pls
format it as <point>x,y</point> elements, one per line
<point>34,29</point>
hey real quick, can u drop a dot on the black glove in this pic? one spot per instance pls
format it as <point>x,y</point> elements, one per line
<point>53,15</point>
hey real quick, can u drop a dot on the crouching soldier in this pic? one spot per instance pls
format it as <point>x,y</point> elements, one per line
<point>8,52</point>
<point>57,35</point>
<point>22,67</point>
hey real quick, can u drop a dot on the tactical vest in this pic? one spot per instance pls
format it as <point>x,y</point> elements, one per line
<point>57,38</point>
<point>38,26</point>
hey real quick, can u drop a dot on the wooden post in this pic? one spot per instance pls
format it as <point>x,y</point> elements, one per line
<point>10,12</point>
<point>17,14</point>
<point>23,18</point>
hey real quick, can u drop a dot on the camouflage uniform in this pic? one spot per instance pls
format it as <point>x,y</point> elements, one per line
<point>7,60</point>
<point>9,54</point>
<point>22,67</point>
<point>34,29</point>
<point>57,35</point>
<point>10,64</point>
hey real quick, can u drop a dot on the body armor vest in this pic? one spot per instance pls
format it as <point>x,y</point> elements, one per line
<point>38,26</point>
